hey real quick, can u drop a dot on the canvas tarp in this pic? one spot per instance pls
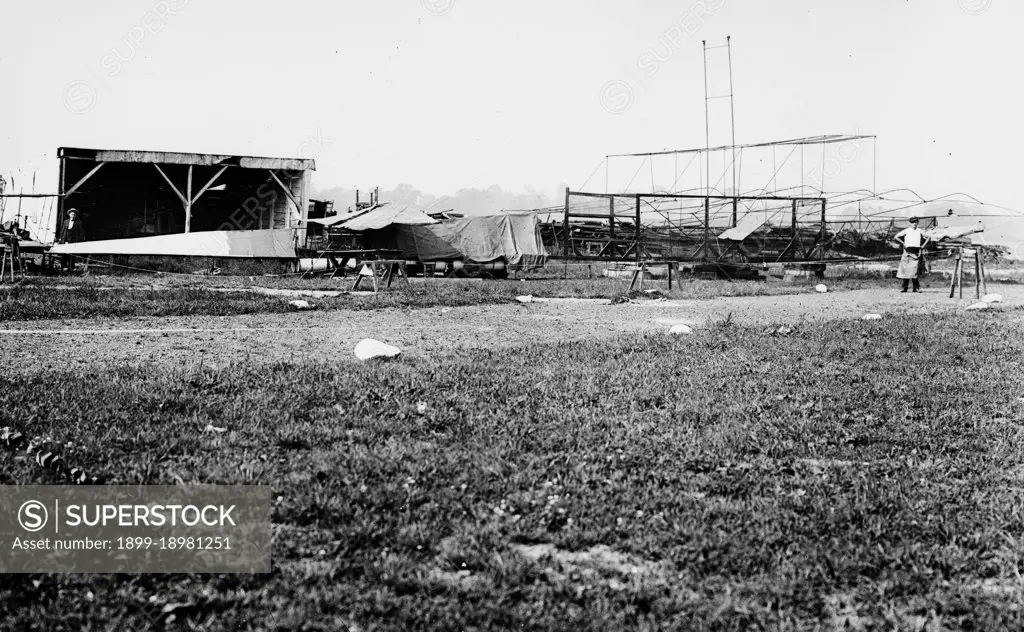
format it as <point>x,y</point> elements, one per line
<point>512,237</point>
<point>388,215</point>
<point>277,244</point>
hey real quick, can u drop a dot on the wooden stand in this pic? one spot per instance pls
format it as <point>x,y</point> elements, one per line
<point>382,273</point>
<point>980,286</point>
<point>637,282</point>
<point>6,261</point>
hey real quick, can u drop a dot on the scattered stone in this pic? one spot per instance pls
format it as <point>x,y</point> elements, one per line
<point>977,307</point>
<point>681,330</point>
<point>370,349</point>
<point>821,288</point>
<point>525,299</point>
<point>300,305</point>
<point>873,317</point>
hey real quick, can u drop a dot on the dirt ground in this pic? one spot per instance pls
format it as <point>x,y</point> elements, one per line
<point>332,335</point>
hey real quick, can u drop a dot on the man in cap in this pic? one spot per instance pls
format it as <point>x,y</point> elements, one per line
<point>72,233</point>
<point>913,240</point>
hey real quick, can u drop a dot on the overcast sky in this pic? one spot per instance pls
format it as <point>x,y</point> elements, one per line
<point>446,94</point>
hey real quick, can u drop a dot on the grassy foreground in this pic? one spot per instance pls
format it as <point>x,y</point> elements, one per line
<point>847,476</point>
<point>126,297</point>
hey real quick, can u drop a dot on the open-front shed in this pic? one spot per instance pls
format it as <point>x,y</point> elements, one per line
<point>169,203</point>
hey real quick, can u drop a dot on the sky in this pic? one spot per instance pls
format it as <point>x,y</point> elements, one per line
<point>453,94</point>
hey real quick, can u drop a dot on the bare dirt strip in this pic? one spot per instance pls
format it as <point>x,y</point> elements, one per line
<point>332,335</point>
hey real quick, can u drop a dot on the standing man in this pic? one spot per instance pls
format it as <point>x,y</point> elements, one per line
<point>72,233</point>
<point>912,240</point>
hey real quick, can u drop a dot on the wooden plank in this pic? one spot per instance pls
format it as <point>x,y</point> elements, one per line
<point>171,184</point>
<point>288,193</point>
<point>952,277</point>
<point>82,181</point>
<point>188,201</point>
<point>984,284</point>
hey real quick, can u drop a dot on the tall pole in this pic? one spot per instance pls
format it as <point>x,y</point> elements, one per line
<point>707,124</point>
<point>565,227</point>
<point>639,254</point>
<point>874,165</point>
<point>732,107</point>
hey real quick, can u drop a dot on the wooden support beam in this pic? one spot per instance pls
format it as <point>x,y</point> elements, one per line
<point>567,236</point>
<point>821,252</point>
<point>707,228</point>
<point>288,193</point>
<point>60,202</point>
<point>82,181</point>
<point>188,201</point>
<point>611,216</point>
<point>171,184</point>
<point>639,243</point>
<point>208,184</point>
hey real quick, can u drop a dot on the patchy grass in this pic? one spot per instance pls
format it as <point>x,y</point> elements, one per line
<point>123,296</point>
<point>851,475</point>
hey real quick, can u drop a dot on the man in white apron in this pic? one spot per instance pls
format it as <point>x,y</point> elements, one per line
<point>913,240</point>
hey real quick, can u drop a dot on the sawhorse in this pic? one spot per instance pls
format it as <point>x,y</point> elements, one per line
<point>382,273</point>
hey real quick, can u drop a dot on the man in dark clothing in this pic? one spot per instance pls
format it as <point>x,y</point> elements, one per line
<point>72,233</point>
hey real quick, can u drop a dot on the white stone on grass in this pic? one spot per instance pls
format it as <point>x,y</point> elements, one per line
<point>992,298</point>
<point>370,349</point>
<point>821,288</point>
<point>681,330</point>
<point>300,305</point>
<point>524,299</point>
<point>872,317</point>
<point>977,307</point>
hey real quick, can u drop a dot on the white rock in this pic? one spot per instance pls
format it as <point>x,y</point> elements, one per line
<point>977,306</point>
<point>214,429</point>
<point>872,317</point>
<point>681,330</point>
<point>524,299</point>
<point>369,349</point>
<point>992,298</point>
<point>821,288</point>
<point>300,304</point>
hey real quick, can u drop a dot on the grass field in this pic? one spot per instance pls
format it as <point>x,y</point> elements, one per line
<point>122,297</point>
<point>850,475</point>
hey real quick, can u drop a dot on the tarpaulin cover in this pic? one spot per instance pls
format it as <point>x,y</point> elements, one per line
<point>388,215</point>
<point>512,237</point>
<point>278,244</point>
